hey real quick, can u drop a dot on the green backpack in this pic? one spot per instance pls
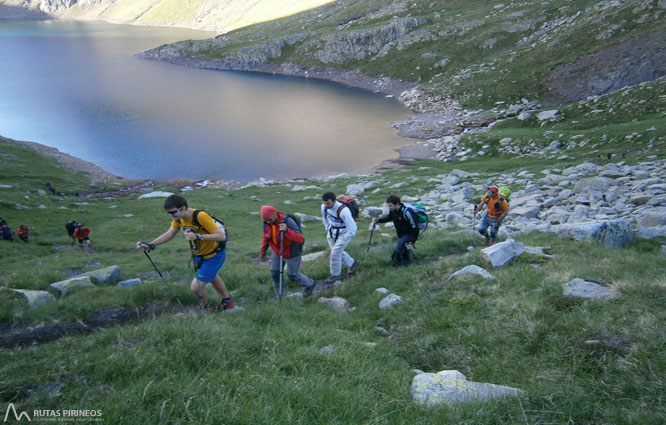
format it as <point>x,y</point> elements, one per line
<point>505,193</point>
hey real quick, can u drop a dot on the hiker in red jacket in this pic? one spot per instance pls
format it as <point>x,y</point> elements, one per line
<point>283,234</point>
<point>22,232</point>
<point>82,234</point>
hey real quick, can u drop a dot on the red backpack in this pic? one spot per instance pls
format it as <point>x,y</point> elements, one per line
<point>349,202</point>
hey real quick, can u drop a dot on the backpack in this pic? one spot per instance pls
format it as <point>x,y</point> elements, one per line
<point>296,220</point>
<point>349,202</point>
<point>419,212</point>
<point>505,193</point>
<point>220,223</point>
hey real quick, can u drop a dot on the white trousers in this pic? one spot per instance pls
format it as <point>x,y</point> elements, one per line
<point>338,254</point>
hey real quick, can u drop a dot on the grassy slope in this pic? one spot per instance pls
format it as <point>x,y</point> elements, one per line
<point>263,365</point>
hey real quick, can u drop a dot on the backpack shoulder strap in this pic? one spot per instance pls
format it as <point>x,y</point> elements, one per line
<point>195,220</point>
<point>340,209</point>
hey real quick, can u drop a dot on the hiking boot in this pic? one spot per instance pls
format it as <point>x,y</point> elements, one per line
<point>331,280</point>
<point>352,269</point>
<point>307,291</point>
<point>487,242</point>
<point>228,305</point>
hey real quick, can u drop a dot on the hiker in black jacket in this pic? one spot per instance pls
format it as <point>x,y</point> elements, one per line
<point>406,226</point>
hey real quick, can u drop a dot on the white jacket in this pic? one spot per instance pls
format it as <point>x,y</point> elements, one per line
<point>345,225</point>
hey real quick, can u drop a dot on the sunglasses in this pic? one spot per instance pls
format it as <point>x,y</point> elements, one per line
<point>173,212</point>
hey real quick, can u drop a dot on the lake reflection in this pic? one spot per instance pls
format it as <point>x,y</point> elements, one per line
<point>77,87</point>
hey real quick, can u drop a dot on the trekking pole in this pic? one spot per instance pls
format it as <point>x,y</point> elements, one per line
<point>281,264</point>
<point>474,219</point>
<point>372,231</point>
<point>173,294</point>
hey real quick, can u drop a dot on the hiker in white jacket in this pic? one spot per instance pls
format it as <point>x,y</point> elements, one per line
<point>340,229</point>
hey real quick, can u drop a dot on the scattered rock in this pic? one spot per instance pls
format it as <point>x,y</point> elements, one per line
<point>75,284</point>
<point>472,270</point>
<point>335,303</point>
<point>583,289</point>
<point>452,387</point>
<point>35,298</point>
<point>389,301</point>
<point>502,253</point>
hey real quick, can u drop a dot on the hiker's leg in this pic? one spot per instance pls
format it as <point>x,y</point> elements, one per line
<point>335,263</point>
<point>400,252</point>
<point>198,288</point>
<point>220,287</point>
<point>343,241</point>
<point>275,275</point>
<point>208,269</point>
<point>494,228</point>
<point>483,226</point>
<point>293,264</point>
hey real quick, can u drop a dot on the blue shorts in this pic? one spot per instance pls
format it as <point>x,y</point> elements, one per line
<point>208,267</point>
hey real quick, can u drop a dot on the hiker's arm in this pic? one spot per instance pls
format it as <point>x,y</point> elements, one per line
<point>505,212</point>
<point>163,238</point>
<point>264,245</point>
<point>217,235</point>
<point>324,217</point>
<point>350,224</point>
<point>382,219</point>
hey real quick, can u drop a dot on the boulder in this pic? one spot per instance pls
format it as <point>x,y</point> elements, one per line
<point>75,284</point>
<point>155,194</point>
<point>501,254</point>
<point>594,183</point>
<point>583,289</point>
<point>355,189</point>
<point>548,115</point>
<point>472,270</point>
<point>452,387</point>
<point>389,301</point>
<point>612,234</point>
<point>129,282</point>
<point>35,298</point>
<point>111,274</point>
<point>527,212</point>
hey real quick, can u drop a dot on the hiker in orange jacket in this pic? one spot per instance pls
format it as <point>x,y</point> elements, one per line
<point>497,209</point>
<point>282,233</point>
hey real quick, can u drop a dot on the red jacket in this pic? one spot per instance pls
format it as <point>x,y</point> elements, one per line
<point>82,232</point>
<point>292,244</point>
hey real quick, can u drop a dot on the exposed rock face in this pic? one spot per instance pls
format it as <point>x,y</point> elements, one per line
<point>610,69</point>
<point>356,45</point>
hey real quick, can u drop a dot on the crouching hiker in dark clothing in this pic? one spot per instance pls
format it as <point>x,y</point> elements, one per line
<point>406,226</point>
<point>282,233</point>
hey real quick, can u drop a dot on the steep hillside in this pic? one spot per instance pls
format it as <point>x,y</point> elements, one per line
<point>214,15</point>
<point>479,52</point>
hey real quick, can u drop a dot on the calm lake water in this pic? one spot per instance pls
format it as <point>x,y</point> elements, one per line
<point>77,86</point>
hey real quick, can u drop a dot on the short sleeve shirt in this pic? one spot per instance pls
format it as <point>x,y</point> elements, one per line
<point>206,248</point>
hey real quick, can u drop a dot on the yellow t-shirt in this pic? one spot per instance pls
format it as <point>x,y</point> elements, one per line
<point>203,248</point>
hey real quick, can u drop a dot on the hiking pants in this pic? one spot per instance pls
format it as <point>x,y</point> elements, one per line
<point>293,265</point>
<point>338,254</point>
<point>400,254</point>
<point>489,222</point>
